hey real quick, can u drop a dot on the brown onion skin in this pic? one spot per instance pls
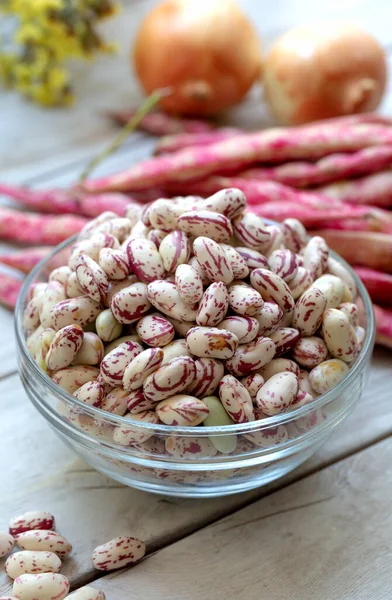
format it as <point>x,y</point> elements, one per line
<point>322,71</point>
<point>208,52</point>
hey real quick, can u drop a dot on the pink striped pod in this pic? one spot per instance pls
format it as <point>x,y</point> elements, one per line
<point>170,379</point>
<point>182,410</point>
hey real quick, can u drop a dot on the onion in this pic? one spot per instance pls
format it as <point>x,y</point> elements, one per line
<point>205,50</point>
<point>324,70</point>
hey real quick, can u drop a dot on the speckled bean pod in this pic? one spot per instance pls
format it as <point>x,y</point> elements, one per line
<point>189,284</point>
<point>212,259</point>
<point>28,561</point>
<point>284,339</point>
<point>163,295</point>
<point>141,367</point>
<point>145,260</point>
<point>118,553</point>
<point>175,250</point>
<point>45,540</point>
<point>310,352</point>
<point>327,374</point>
<point>45,586</point>
<point>75,311</point>
<point>236,400</point>
<point>91,351</point>
<point>170,379</point>
<point>251,231</point>
<point>64,347</point>
<point>130,303</point>
<point>209,372</point>
<point>211,342</point>
<point>114,364</point>
<point>244,300</point>
<point>214,305</point>
<point>339,335</point>
<point>272,288</point>
<point>182,410</point>
<point>284,263</point>
<point>155,330</point>
<point>276,395</point>
<point>245,328</point>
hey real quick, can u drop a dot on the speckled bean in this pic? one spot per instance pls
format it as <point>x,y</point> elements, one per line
<point>301,282</point>
<point>175,250</point>
<point>245,328</point>
<point>327,374</point>
<point>252,258</point>
<point>339,335</point>
<point>114,262</point>
<point>230,202</point>
<point>253,383</point>
<point>189,284</point>
<point>269,318</point>
<point>72,378</point>
<point>155,330</point>
<point>164,296</point>
<point>284,339</point>
<point>130,303</point>
<point>115,401</point>
<point>194,263</point>
<point>251,231</point>
<point>190,447</point>
<point>214,305</point>
<point>156,236</point>
<point>91,350</point>
<point>218,417</point>
<point>145,260</point>
<point>92,278</point>
<point>45,586</point>
<point>212,259</point>
<point>117,286</point>
<point>304,383</point>
<point>127,435</point>
<point>107,326</point>
<point>72,287</point>
<point>114,364</point>
<point>175,349</point>
<point>120,340</point>
<point>119,552</point>
<point>170,379</point>
<point>180,327</point>
<point>211,342</point>
<point>42,346</point>
<point>315,255</point>
<point>236,399</point>
<point>268,437</point>
<point>60,274</point>
<point>182,410</point>
<point>90,227</point>
<point>252,356</point>
<point>87,593</point>
<point>7,542</point>
<point>91,393</point>
<point>244,300</point>
<point>163,214</point>
<point>279,365</point>
<point>64,347</point>
<point>45,540</point>
<point>92,247</point>
<point>276,395</point>
<point>141,367</point>
<point>294,234</point>
<point>302,398</point>
<point>28,561</point>
<point>74,311</point>
<point>336,268</point>
<point>205,223</point>
<point>54,293</point>
<point>308,311</point>
<point>272,288</point>
<point>284,263</point>
<point>118,227</point>
<point>33,519</point>
<point>209,372</point>
<point>332,287</point>
<point>137,402</point>
<point>310,352</point>
<point>351,311</point>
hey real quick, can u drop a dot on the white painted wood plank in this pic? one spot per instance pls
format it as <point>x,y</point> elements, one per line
<point>326,537</point>
<point>41,473</point>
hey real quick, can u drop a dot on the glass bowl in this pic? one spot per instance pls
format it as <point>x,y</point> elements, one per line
<point>182,461</point>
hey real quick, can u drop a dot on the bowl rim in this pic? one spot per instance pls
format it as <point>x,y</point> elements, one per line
<point>169,430</point>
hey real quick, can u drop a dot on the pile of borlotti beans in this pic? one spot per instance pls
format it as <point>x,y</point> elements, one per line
<point>35,569</point>
<point>192,311</point>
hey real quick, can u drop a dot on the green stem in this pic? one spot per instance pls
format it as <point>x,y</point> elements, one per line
<point>132,124</point>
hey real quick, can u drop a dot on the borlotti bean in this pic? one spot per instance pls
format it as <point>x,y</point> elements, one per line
<point>45,586</point>
<point>29,561</point>
<point>119,552</point>
<point>87,593</point>
<point>45,540</point>
<point>34,519</point>
<point>7,542</point>
<point>192,312</point>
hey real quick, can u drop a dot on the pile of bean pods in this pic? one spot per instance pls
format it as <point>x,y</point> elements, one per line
<point>195,311</point>
<point>35,568</point>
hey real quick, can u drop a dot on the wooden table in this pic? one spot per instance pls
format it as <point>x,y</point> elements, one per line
<point>322,533</point>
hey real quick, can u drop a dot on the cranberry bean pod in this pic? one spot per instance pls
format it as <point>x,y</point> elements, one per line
<point>272,288</point>
<point>145,260</point>
<point>211,342</point>
<point>75,311</point>
<point>208,374</point>
<point>141,367</point>
<point>212,259</point>
<point>175,250</point>
<point>170,379</point>
<point>45,540</point>
<point>182,410</point>
<point>214,305</point>
<point>339,335</point>
<point>45,586</point>
<point>245,328</point>
<point>309,310</point>
<point>127,435</point>
<point>252,356</point>
<point>155,330</point>
<point>251,231</point>
<point>114,364</point>
<point>310,352</point>
<point>130,303</point>
<point>276,395</point>
<point>91,350</point>
<point>64,347</point>
<point>189,284</point>
<point>284,339</point>
<point>244,300</point>
<point>164,296</point>
<point>28,561</point>
<point>236,400</point>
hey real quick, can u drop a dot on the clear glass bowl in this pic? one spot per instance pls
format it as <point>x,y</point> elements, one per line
<point>266,449</point>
